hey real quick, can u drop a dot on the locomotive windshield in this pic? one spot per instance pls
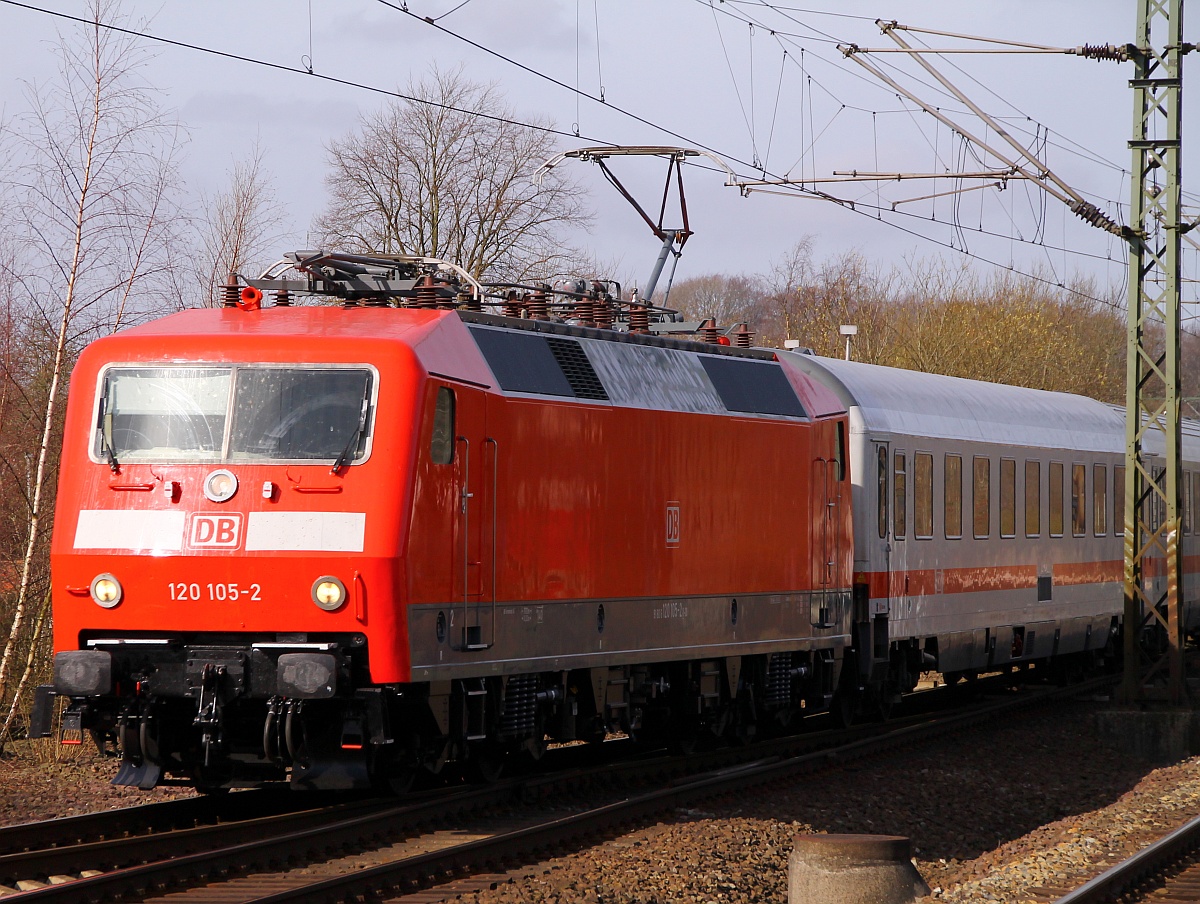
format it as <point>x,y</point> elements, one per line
<point>237,413</point>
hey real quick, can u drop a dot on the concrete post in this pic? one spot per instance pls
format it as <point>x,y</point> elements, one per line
<point>853,869</point>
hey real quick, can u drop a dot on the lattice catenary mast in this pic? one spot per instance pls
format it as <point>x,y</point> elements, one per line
<point>1153,390</point>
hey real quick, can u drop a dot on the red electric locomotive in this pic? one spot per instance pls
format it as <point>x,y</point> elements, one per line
<point>345,543</point>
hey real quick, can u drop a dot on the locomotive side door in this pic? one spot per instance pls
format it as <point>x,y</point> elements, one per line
<point>821,543</point>
<point>476,464</point>
<point>826,495</point>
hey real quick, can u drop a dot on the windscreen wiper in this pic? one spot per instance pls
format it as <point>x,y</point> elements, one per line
<point>344,457</point>
<point>105,426</point>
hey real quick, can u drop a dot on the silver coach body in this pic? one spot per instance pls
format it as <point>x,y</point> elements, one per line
<point>1014,590</point>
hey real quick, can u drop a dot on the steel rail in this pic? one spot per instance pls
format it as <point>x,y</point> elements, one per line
<point>142,819</point>
<point>1146,863</point>
<point>116,852</point>
<point>265,847</point>
<point>320,836</point>
<point>413,873</point>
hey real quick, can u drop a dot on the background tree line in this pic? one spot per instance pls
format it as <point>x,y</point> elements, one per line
<point>934,315</point>
<point>97,233</point>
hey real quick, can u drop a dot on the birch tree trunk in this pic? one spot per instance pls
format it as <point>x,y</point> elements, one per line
<point>94,175</point>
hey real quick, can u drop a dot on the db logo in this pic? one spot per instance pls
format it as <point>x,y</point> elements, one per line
<point>221,531</point>
<point>673,520</point>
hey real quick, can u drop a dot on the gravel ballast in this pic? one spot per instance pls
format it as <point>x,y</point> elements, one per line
<point>994,815</point>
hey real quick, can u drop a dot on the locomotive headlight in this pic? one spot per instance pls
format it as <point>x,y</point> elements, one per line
<point>219,486</point>
<point>106,590</point>
<point>329,593</point>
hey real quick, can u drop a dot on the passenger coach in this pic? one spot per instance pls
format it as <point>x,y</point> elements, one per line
<point>988,520</point>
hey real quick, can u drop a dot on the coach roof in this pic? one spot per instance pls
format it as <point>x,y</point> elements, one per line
<point>910,403</point>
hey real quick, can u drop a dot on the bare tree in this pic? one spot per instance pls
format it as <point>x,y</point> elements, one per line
<point>727,299</point>
<point>240,225</point>
<point>92,181</point>
<point>811,301</point>
<point>451,175</point>
<point>784,283</point>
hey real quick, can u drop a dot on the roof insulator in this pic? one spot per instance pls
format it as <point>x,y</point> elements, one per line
<point>1092,214</point>
<point>1117,52</point>
<point>231,292</point>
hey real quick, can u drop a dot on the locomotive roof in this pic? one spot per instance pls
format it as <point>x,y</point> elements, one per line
<point>511,355</point>
<point>906,402</point>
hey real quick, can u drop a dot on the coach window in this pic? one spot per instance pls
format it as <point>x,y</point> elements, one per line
<point>1056,499</point>
<point>441,447</point>
<point>1033,498</point>
<point>1187,502</point>
<point>923,496</point>
<point>899,497</point>
<point>1195,495</point>
<point>1008,497</point>
<point>1119,500</point>
<point>883,490</point>
<point>1079,500</point>
<point>982,497</point>
<point>1100,500</point>
<point>1153,506</point>
<point>952,496</point>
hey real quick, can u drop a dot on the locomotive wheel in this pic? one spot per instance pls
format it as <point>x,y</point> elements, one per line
<point>210,781</point>
<point>843,707</point>
<point>882,703</point>
<point>400,779</point>
<point>487,764</point>
<point>535,748</point>
<point>129,741</point>
<point>686,735</point>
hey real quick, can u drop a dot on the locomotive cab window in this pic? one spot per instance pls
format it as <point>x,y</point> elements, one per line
<point>238,413</point>
<point>299,414</point>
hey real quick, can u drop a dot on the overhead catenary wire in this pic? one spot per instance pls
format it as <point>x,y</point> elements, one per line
<point>754,163</point>
<point>809,149</point>
<point>221,54</point>
<point>736,90</point>
<point>827,38</point>
<point>295,70</point>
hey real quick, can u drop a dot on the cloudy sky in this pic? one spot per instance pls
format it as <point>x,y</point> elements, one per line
<point>764,87</point>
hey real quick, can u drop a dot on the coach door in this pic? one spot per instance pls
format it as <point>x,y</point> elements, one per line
<point>477,462</point>
<point>880,558</point>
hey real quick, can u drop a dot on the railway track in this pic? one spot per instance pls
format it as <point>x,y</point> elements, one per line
<point>1167,871</point>
<point>392,848</point>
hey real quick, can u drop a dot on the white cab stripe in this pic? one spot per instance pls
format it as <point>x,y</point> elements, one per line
<point>120,529</point>
<point>307,531</point>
